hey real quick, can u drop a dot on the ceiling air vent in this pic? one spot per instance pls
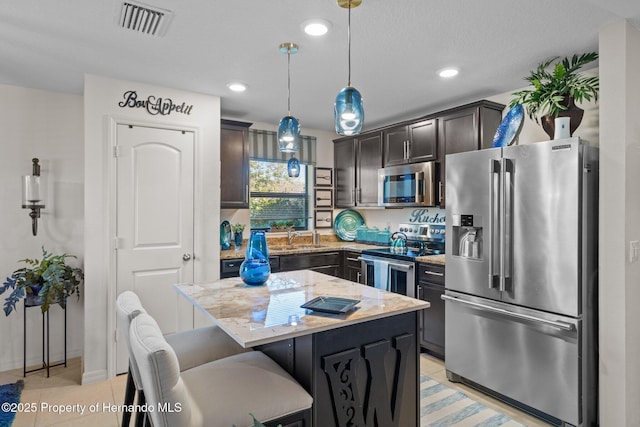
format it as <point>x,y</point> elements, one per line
<point>144,18</point>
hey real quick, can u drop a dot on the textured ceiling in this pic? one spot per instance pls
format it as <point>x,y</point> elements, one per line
<point>397,47</point>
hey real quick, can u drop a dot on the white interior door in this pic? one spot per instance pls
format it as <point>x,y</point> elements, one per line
<point>154,217</point>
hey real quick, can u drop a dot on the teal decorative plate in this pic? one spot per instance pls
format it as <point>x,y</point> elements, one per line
<point>346,223</point>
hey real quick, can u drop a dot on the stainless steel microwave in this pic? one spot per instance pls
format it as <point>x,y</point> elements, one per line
<point>407,185</point>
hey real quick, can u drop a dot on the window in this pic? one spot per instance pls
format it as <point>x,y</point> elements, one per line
<point>275,198</point>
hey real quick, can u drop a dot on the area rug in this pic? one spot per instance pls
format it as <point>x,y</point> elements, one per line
<point>9,394</point>
<point>441,406</point>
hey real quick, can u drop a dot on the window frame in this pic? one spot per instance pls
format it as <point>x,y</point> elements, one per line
<point>304,196</point>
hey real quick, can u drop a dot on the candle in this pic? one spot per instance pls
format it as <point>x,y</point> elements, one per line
<point>30,189</point>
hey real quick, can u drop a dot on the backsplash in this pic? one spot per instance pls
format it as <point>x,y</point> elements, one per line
<point>382,218</point>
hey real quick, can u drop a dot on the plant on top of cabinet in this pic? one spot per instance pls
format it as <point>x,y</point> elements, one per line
<point>555,92</point>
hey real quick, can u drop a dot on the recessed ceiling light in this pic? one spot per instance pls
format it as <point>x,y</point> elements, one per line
<point>237,86</point>
<point>448,72</point>
<point>316,27</point>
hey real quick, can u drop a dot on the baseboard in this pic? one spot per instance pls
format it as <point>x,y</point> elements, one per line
<point>94,376</point>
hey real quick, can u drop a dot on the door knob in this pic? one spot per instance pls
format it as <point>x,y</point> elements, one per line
<point>186,257</point>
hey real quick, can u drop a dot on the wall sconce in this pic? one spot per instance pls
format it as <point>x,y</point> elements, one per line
<point>31,198</point>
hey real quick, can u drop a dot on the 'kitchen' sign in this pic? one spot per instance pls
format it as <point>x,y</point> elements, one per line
<point>423,216</point>
<point>153,105</point>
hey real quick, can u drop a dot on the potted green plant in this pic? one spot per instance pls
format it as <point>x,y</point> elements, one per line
<point>47,281</point>
<point>557,86</point>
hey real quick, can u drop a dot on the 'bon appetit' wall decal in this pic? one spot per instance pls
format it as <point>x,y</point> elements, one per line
<point>154,105</point>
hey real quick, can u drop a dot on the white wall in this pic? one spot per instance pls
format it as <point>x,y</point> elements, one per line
<point>101,110</point>
<point>49,126</point>
<point>619,223</point>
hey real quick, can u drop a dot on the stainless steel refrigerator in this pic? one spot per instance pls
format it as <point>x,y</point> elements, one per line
<point>521,275</point>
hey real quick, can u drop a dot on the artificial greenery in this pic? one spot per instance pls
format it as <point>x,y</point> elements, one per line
<point>51,278</point>
<point>552,89</point>
<point>237,228</point>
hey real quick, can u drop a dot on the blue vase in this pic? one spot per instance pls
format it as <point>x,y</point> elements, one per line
<point>255,269</point>
<point>237,239</point>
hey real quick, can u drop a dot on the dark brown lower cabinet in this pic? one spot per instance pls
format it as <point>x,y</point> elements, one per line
<point>322,262</point>
<point>431,288</point>
<point>231,267</point>
<point>352,267</point>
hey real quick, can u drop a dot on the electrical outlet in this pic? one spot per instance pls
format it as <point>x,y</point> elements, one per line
<point>634,251</point>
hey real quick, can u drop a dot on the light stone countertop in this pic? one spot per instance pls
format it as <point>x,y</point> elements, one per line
<point>297,248</point>
<point>303,248</point>
<point>432,259</point>
<point>256,315</point>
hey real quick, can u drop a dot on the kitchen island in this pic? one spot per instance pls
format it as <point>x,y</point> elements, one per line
<point>361,367</point>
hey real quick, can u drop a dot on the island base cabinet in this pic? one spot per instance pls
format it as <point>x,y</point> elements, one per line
<point>365,374</point>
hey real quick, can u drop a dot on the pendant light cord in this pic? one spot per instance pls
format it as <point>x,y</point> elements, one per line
<point>289,80</point>
<point>349,44</point>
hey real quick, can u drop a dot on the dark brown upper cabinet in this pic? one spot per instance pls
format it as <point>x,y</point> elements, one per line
<point>411,143</point>
<point>234,164</point>
<point>467,128</point>
<point>356,164</point>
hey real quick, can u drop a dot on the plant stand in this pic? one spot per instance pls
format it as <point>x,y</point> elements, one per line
<point>45,339</point>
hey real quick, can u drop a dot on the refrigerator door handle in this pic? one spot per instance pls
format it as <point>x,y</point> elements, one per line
<point>506,168</point>
<point>493,173</point>
<point>554,323</point>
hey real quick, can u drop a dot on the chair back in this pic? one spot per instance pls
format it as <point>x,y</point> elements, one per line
<point>128,306</point>
<point>159,370</point>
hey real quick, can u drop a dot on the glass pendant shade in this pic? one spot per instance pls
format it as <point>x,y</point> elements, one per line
<point>288,134</point>
<point>293,167</point>
<point>349,112</point>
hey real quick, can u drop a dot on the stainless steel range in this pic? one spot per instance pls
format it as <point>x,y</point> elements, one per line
<point>393,268</point>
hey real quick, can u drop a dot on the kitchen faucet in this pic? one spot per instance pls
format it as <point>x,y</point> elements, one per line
<point>291,235</point>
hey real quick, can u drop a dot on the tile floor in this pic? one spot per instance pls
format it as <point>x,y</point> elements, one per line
<point>434,368</point>
<point>63,388</point>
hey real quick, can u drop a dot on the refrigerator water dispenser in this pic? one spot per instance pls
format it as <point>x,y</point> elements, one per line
<point>467,236</point>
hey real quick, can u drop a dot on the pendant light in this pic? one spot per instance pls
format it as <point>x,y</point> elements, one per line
<point>289,128</point>
<point>293,167</point>
<point>348,110</point>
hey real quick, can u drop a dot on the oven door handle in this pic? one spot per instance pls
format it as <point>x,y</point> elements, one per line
<point>402,267</point>
<point>365,261</point>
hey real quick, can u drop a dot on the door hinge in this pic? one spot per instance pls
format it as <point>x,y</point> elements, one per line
<point>117,243</point>
<point>116,151</point>
<point>115,335</point>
